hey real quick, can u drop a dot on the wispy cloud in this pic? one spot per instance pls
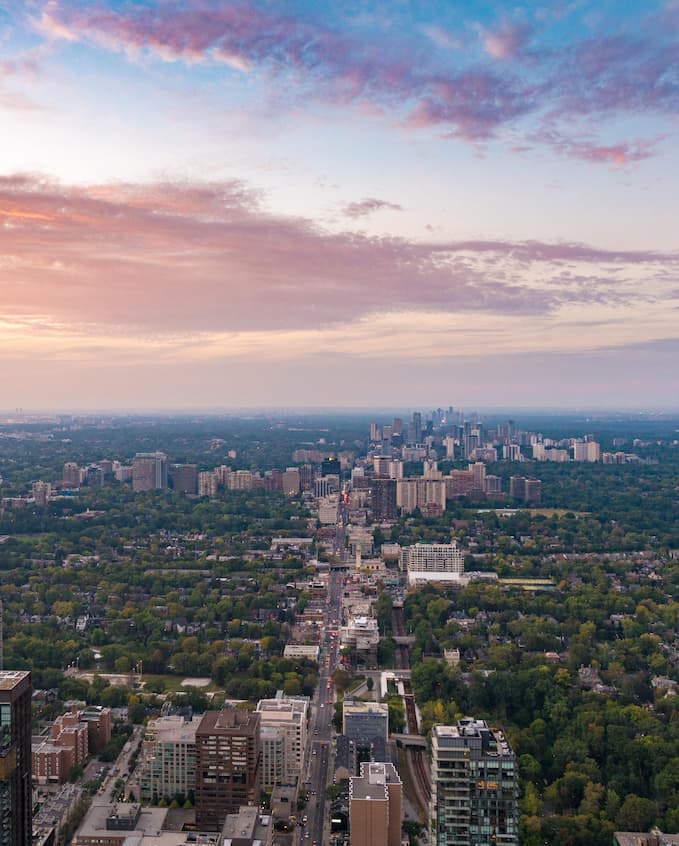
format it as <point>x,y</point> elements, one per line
<point>608,74</point>
<point>367,206</point>
<point>180,258</point>
<point>507,41</point>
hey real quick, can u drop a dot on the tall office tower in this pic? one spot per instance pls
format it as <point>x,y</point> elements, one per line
<point>227,765</point>
<point>492,485</point>
<point>207,483</point>
<point>70,477</point>
<point>533,490</point>
<point>383,492</point>
<point>397,426</point>
<point>185,478</point>
<point>94,476</point>
<point>417,427</point>
<point>16,809</point>
<point>479,471</point>
<point>474,787</point>
<point>149,471</point>
<point>307,474</point>
<point>291,481</point>
<point>517,487</point>
<point>42,491</point>
<point>375,806</point>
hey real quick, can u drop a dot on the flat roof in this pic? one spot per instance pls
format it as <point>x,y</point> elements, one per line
<point>9,679</point>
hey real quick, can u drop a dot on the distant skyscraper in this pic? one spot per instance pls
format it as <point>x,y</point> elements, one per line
<point>291,481</point>
<point>42,491</point>
<point>474,787</point>
<point>149,471</point>
<point>207,483</point>
<point>384,499</point>
<point>16,809</point>
<point>70,477</point>
<point>185,478</point>
<point>94,476</point>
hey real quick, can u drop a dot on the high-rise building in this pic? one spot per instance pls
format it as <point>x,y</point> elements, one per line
<point>185,478</point>
<point>291,481</point>
<point>42,491</point>
<point>207,483</point>
<point>533,490</point>
<point>149,471</point>
<point>227,765</point>
<point>420,492</point>
<point>284,754</point>
<point>70,477</point>
<point>517,487</point>
<point>586,451</point>
<point>168,759</point>
<point>94,476</point>
<point>375,806</point>
<point>432,562</point>
<point>384,499</point>
<point>474,787</point>
<point>16,810</point>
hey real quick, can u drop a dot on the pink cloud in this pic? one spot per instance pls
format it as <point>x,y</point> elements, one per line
<point>507,41</point>
<point>616,155</point>
<point>611,74</point>
<point>184,257</point>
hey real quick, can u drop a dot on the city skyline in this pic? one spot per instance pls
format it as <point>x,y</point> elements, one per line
<point>230,205</point>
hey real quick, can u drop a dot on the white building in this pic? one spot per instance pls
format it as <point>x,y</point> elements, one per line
<point>432,562</point>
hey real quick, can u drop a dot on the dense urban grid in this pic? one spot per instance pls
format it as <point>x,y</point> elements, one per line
<point>440,627</point>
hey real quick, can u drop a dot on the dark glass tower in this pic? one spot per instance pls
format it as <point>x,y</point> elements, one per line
<point>15,758</point>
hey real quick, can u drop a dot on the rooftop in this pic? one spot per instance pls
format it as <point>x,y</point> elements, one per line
<point>9,679</point>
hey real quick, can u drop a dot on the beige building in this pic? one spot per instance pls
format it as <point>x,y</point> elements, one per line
<point>375,806</point>
<point>419,492</point>
<point>282,750</point>
<point>207,483</point>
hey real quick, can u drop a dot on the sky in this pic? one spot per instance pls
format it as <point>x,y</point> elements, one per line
<point>210,204</point>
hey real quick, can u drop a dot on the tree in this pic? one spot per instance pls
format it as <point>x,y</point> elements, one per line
<point>636,814</point>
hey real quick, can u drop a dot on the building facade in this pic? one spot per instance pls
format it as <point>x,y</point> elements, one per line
<point>168,760</point>
<point>474,787</point>
<point>149,471</point>
<point>287,717</point>
<point>375,806</point>
<point>228,757</point>
<point>16,811</point>
<point>432,562</point>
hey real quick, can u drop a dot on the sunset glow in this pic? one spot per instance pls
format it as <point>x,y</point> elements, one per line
<point>212,204</point>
